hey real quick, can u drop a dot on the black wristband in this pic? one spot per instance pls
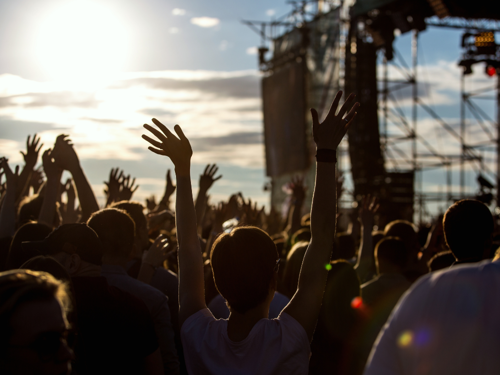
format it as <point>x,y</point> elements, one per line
<point>326,155</point>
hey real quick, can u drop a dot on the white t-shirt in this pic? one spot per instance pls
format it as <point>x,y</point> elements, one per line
<point>448,323</point>
<point>273,346</point>
<point>219,308</point>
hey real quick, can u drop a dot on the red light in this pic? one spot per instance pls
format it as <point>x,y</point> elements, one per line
<point>491,71</point>
<point>356,303</point>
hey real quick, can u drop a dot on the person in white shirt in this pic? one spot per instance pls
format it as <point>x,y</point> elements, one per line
<point>245,268</point>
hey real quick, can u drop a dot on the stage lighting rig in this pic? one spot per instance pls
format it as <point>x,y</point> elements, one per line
<point>480,47</point>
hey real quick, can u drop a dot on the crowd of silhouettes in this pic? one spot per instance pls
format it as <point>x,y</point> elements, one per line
<point>203,287</point>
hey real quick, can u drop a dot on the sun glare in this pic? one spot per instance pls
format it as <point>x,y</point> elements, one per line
<point>82,42</point>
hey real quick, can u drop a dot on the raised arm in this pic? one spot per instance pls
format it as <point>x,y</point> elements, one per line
<point>191,283</point>
<point>33,147</point>
<point>65,156</point>
<point>207,179</point>
<point>306,302</point>
<point>52,189</point>
<point>365,265</point>
<point>8,210</point>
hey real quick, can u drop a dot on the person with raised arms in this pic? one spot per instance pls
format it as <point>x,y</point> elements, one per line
<point>245,266</point>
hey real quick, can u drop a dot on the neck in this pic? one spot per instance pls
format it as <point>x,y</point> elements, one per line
<point>239,325</point>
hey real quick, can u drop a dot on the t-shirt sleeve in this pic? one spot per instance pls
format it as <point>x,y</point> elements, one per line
<point>293,331</point>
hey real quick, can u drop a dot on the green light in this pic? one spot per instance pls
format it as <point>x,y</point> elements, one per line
<point>328,267</point>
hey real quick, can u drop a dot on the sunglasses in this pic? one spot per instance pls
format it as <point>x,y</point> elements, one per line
<point>48,344</point>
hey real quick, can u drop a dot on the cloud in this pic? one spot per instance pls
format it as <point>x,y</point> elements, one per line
<point>178,12</point>
<point>205,21</point>
<point>252,50</point>
<point>270,12</point>
<point>223,45</point>
<point>173,30</point>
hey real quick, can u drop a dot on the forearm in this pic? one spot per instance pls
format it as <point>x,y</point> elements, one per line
<point>23,183</point>
<point>8,214</point>
<point>49,201</point>
<point>323,220</point>
<point>86,196</point>
<point>201,202</point>
<point>296,216</point>
<point>191,283</point>
<point>365,264</point>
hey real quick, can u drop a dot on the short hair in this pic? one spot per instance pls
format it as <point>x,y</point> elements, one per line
<point>393,251</point>
<point>292,267</point>
<point>28,232</point>
<point>406,232</point>
<point>135,210</point>
<point>49,265</point>
<point>21,286</point>
<point>303,234</point>
<point>468,225</point>
<point>87,245</point>
<point>243,264</point>
<point>116,230</point>
<point>30,207</point>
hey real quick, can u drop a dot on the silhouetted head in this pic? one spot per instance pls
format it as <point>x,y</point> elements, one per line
<point>115,228</point>
<point>391,255</point>
<point>337,314</point>
<point>468,227</point>
<point>33,324</point>
<point>29,210</point>
<point>292,267</point>
<point>406,232</point>
<point>136,212</point>
<point>49,265</point>
<point>244,264</point>
<point>28,232</point>
<point>303,234</point>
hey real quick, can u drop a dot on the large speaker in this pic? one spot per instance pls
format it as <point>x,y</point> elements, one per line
<point>367,163</point>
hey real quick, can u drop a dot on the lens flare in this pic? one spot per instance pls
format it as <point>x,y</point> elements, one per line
<point>328,267</point>
<point>357,303</point>
<point>405,339</point>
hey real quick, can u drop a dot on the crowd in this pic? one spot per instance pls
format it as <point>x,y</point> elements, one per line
<point>227,288</point>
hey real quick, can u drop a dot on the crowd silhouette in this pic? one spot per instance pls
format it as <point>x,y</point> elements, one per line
<point>205,287</point>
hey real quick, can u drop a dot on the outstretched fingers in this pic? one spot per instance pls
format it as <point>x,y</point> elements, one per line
<point>157,133</point>
<point>347,104</point>
<point>163,128</point>
<point>335,104</point>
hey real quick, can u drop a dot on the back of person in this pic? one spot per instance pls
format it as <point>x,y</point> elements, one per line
<point>446,324</point>
<point>116,332</point>
<point>274,346</point>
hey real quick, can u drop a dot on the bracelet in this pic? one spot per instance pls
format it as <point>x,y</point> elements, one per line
<point>326,155</point>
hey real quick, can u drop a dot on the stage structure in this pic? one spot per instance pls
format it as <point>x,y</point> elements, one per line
<point>323,46</point>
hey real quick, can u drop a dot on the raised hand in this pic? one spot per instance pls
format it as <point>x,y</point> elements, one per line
<point>177,149</point>
<point>65,155</point>
<point>297,187</point>
<point>169,186</point>
<point>367,210</point>
<point>157,253</point>
<point>32,149</point>
<point>330,132</point>
<point>112,189</point>
<point>151,203</point>
<point>207,178</point>
<point>12,178</point>
<point>51,169</point>
<point>127,188</point>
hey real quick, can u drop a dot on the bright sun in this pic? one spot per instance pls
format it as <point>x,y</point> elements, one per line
<point>82,41</point>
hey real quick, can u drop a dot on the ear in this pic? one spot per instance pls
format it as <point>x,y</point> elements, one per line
<point>74,264</point>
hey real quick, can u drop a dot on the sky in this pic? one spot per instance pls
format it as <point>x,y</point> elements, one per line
<point>98,70</point>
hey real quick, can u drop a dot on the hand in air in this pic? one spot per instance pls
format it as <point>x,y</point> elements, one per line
<point>127,188</point>
<point>177,149</point>
<point>51,168</point>
<point>298,188</point>
<point>12,178</point>
<point>158,251</point>
<point>169,186</point>
<point>330,132</point>
<point>65,155</point>
<point>32,149</point>
<point>367,209</point>
<point>207,178</point>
